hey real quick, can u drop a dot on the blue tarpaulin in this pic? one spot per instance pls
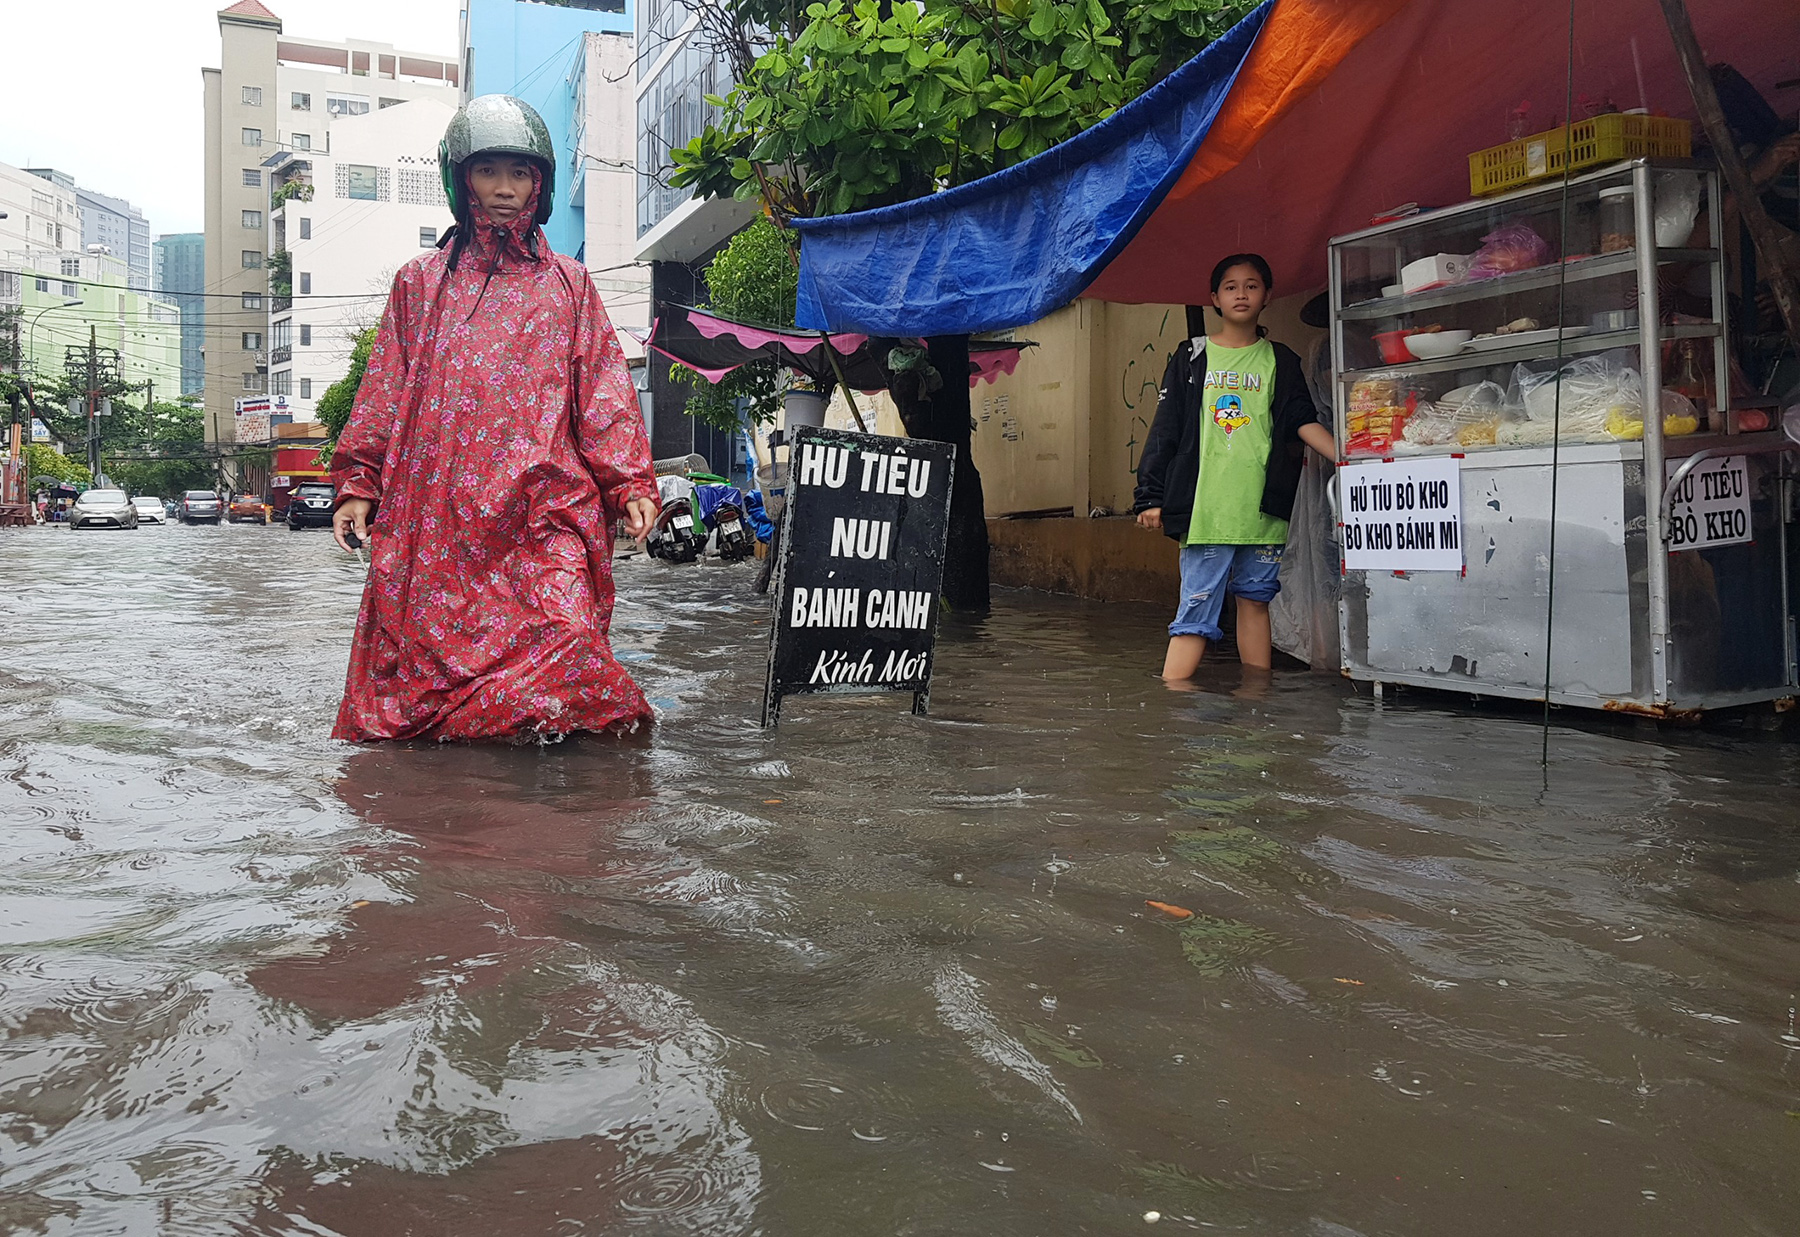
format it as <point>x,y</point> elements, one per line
<point>1009,248</point>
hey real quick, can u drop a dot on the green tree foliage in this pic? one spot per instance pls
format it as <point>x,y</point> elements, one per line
<point>44,462</point>
<point>753,279</point>
<point>159,449</point>
<point>334,407</point>
<point>854,108</point>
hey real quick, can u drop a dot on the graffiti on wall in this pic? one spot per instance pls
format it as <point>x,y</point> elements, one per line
<point>1139,385</point>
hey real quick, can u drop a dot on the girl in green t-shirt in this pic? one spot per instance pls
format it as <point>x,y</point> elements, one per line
<point>1221,465</point>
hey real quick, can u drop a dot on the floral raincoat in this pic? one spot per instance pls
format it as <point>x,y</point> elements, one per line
<point>498,432</point>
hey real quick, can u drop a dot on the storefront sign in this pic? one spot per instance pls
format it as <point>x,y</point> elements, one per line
<point>253,427</point>
<point>1711,506</point>
<point>862,559</point>
<point>1402,515</point>
<point>39,431</point>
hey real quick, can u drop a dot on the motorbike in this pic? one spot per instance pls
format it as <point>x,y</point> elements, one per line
<point>677,536</point>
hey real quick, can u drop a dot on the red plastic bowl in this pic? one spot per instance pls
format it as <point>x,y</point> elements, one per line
<point>1393,347</point>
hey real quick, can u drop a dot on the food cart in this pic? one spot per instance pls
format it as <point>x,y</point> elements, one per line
<point>1516,351</point>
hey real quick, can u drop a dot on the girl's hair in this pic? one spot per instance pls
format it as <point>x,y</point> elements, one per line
<point>1254,260</point>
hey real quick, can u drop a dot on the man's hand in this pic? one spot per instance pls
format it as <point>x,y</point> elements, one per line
<point>640,514</point>
<point>1150,518</point>
<point>352,515</point>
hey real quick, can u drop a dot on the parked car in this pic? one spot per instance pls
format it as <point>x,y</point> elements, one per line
<point>310,505</point>
<point>103,509</point>
<point>150,509</point>
<point>251,507</point>
<point>199,507</point>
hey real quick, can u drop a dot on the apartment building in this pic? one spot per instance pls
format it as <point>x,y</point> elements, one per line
<point>677,233</point>
<point>342,224</point>
<point>572,61</point>
<point>122,230</point>
<point>55,294</point>
<point>272,104</point>
<point>179,275</point>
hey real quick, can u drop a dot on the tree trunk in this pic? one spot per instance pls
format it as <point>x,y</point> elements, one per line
<point>943,416</point>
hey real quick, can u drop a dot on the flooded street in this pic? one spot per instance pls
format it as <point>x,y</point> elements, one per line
<point>872,973</point>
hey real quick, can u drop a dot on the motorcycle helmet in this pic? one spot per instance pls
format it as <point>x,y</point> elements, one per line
<point>496,123</point>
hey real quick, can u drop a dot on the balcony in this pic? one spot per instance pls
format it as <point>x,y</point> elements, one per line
<point>280,304</point>
<point>281,355</point>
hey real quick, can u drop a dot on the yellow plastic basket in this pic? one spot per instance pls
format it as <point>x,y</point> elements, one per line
<point>1586,144</point>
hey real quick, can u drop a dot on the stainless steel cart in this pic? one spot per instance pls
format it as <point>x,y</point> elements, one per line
<point>1597,606</point>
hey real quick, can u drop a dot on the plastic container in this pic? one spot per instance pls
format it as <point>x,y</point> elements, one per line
<point>1588,143</point>
<point>1393,346</point>
<point>803,408</point>
<point>1618,223</point>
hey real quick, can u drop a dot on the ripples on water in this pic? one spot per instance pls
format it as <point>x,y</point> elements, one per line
<point>874,973</point>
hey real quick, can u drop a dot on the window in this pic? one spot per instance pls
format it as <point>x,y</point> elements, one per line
<point>305,228</point>
<point>253,382</point>
<point>347,104</point>
<point>359,181</point>
<point>252,341</point>
<point>252,259</point>
<point>43,285</point>
<point>281,382</point>
<point>253,96</point>
<point>69,289</point>
<point>253,177</point>
<point>252,219</point>
<point>390,102</point>
<point>305,283</point>
<point>72,266</point>
<point>306,388</point>
<point>427,237</point>
<point>301,141</point>
<point>305,335</point>
<point>281,334</point>
<point>300,102</point>
<point>252,300</point>
<point>252,137</point>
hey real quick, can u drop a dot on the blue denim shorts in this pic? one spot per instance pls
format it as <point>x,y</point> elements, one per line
<point>1208,572</point>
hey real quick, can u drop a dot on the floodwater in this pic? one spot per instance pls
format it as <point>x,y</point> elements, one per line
<point>871,974</point>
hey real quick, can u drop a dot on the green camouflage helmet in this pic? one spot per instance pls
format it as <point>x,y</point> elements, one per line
<point>496,122</point>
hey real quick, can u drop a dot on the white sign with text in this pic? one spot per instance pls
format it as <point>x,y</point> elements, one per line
<point>1402,515</point>
<point>1711,505</point>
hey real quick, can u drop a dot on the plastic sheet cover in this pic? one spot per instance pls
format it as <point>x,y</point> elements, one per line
<point>1012,247</point>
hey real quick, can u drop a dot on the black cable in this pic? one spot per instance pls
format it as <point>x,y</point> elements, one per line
<point>1562,287</point>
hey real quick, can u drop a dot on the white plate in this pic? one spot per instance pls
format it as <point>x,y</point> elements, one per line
<point>731,526</point>
<point>682,521</point>
<point>1523,337</point>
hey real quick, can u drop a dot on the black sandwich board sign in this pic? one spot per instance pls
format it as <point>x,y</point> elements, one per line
<point>862,562</point>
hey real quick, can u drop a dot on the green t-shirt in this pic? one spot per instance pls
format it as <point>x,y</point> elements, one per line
<point>1236,431</point>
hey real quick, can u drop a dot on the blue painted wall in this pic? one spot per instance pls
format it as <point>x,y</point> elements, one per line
<point>529,49</point>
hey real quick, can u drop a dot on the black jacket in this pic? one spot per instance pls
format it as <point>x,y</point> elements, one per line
<point>1170,466</point>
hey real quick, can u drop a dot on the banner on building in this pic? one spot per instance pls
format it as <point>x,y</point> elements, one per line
<point>1711,506</point>
<point>1402,515</point>
<point>861,565</point>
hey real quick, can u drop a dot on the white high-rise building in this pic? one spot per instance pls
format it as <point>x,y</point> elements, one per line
<point>273,106</point>
<point>372,204</point>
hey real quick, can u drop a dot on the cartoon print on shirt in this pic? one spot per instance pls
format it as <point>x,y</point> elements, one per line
<point>1228,414</point>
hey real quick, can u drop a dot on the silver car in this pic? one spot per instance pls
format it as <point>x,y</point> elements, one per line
<point>150,509</point>
<point>103,509</point>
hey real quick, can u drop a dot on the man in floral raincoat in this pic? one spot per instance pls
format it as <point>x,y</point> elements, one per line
<point>497,438</point>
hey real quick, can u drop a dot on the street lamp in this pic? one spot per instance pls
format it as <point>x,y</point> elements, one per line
<point>31,334</point>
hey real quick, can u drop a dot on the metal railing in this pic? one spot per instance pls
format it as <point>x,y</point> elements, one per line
<point>278,356</point>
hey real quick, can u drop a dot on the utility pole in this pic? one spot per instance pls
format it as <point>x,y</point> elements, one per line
<point>93,403</point>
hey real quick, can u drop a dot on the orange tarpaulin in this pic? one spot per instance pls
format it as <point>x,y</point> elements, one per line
<point>1348,107</point>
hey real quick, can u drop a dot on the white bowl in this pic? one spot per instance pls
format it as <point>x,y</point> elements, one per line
<point>1430,345</point>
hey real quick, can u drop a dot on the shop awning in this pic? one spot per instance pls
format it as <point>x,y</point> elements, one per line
<point>1303,122</point>
<point>714,345</point>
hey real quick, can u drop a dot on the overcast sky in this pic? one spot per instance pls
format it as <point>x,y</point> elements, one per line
<point>109,90</point>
